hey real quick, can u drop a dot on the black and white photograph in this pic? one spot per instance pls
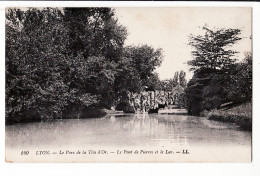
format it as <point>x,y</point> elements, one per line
<point>128,84</point>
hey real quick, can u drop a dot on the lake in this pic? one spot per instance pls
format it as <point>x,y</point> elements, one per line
<point>205,140</point>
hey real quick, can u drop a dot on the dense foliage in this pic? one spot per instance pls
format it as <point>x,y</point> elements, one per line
<point>60,62</point>
<point>218,78</point>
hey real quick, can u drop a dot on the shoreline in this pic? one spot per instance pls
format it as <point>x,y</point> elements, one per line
<point>232,115</point>
<point>241,115</point>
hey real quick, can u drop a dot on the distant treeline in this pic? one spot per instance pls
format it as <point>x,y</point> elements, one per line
<point>218,77</point>
<point>63,61</point>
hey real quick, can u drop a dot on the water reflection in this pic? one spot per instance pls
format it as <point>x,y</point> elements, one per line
<point>126,130</point>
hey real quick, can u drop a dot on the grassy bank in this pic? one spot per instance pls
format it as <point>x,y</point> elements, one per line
<point>240,115</point>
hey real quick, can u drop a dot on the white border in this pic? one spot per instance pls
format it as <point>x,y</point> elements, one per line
<point>137,169</point>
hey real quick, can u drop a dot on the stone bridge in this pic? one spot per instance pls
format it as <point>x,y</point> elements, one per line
<point>151,101</point>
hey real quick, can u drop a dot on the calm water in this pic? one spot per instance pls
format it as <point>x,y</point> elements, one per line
<point>128,130</point>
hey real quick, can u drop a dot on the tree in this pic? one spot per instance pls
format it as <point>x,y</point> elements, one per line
<point>174,82</point>
<point>194,91</point>
<point>126,79</point>
<point>212,50</point>
<point>34,51</point>
<point>218,78</point>
<point>135,69</point>
<point>94,32</point>
<point>153,82</point>
<point>239,84</point>
<point>144,59</point>
<point>182,79</point>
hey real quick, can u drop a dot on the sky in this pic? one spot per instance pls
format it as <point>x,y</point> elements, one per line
<point>169,27</point>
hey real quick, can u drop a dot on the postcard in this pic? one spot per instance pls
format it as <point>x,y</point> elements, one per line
<point>128,84</point>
